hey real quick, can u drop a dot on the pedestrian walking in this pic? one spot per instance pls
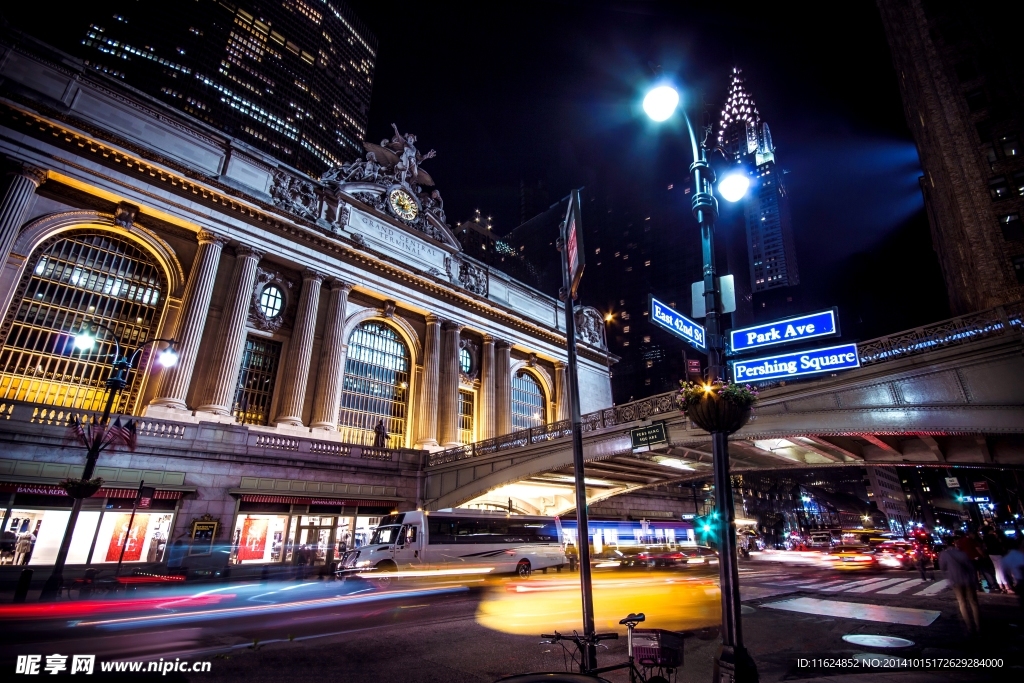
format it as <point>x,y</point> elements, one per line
<point>995,549</point>
<point>572,554</point>
<point>380,435</point>
<point>963,578</point>
<point>1013,566</point>
<point>924,564</point>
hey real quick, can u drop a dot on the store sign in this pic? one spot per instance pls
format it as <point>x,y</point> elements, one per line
<point>574,259</point>
<point>789,330</point>
<point>952,482</point>
<point>796,364</point>
<point>678,324</point>
<point>649,435</point>
<point>981,486</point>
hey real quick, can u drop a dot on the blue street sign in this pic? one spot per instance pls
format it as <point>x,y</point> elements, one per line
<point>797,329</point>
<point>678,324</point>
<point>796,364</point>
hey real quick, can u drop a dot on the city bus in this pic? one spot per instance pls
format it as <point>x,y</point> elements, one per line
<point>474,540</point>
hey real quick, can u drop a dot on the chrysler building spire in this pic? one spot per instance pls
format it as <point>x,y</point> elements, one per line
<point>738,126</point>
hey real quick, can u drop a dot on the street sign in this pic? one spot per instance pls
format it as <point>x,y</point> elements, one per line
<point>726,296</point>
<point>649,435</point>
<point>796,364</point>
<point>786,331</point>
<point>678,324</point>
<point>573,236</point>
<point>952,483</point>
<point>693,367</point>
<point>981,486</point>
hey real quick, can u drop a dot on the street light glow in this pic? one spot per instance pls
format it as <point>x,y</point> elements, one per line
<point>661,102</point>
<point>84,341</point>
<point>168,358</point>
<point>734,186</point>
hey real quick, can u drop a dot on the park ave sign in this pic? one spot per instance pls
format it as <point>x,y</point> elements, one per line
<point>798,329</point>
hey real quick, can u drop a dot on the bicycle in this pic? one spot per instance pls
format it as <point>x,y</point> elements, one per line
<point>659,656</point>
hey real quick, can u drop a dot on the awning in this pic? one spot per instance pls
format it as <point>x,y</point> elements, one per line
<point>305,500</point>
<point>105,492</point>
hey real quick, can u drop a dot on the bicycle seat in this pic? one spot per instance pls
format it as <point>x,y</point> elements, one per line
<point>633,619</point>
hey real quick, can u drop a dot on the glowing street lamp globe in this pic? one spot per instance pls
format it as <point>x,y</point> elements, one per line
<point>733,186</point>
<point>168,358</point>
<point>661,102</point>
<point>84,341</point>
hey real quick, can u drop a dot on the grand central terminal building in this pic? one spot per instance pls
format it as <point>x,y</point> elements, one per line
<point>330,332</point>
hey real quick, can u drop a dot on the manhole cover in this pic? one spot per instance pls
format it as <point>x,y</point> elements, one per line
<point>865,640</point>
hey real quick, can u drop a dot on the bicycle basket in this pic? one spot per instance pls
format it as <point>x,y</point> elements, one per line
<point>658,647</point>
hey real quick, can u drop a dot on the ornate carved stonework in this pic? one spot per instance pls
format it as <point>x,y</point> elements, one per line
<point>295,195</point>
<point>389,309</point>
<point>474,364</point>
<point>124,215</point>
<point>257,318</point>
<point>590,326</point>
<point>465,274</point>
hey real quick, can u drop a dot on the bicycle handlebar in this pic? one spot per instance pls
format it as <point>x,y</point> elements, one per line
<point>606,636</point>
<point>596,637</point>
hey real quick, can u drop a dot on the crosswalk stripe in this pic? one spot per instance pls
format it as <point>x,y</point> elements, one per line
<point>819,586</point>
<point>936,587</point>
<point>900,587</point>
<point>850,584</point>
<point>873,586</point>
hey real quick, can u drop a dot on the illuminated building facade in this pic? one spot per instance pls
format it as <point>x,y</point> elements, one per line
<point>771,252</point>
<point>290,78</point>
<point>331,333</point>
<point>959,75</point>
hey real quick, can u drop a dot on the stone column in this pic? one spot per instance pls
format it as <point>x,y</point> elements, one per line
<point>561,392</point>
<point>327,400</point>
<point>502,387</point>
<point>448,390</point>
<point>191,322</point>
<point>223,379</point>
<point>427,405</point>
<point>24,182</point>
<point>296,368</point>
<point>486,411</point>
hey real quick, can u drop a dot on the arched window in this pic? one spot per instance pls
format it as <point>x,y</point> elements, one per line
<point>529,407</point>
<point>376,385</point>
<point>72,280</point>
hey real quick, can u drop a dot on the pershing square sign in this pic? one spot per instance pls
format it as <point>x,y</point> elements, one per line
<point>796,364</point>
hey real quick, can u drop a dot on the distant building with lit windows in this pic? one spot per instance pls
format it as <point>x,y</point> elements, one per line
<point>771,251</point>
<point>291,78</point>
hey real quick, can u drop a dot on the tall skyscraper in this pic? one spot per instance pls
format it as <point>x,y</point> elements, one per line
<point>292,78</point>
<point>960,74</point>
<point>746,140</point>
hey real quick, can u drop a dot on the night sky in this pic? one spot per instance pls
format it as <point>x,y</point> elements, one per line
<point>549,92</point>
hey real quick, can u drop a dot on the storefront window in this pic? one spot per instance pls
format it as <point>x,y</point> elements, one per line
<point>259,538</point>
<point>33,537</point>
<point>145,541</point>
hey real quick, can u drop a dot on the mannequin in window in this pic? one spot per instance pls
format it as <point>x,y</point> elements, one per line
<point>380,438</point>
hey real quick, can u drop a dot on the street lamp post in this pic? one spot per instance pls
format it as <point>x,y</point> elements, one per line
<point>734,664</point>
<point>121,365</point>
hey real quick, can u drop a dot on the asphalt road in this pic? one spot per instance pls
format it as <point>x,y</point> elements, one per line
<point>474,630</point>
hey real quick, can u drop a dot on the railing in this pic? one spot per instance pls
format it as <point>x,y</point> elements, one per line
<point>963,329</point>
<point>34,413</point>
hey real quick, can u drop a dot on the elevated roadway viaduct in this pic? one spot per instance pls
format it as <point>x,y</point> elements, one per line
<point>951,393</point>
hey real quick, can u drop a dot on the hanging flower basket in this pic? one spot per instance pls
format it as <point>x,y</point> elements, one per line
<point>81,488</point>
<point>719,407</point>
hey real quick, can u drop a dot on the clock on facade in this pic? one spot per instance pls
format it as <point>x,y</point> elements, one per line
<point>403,204</point>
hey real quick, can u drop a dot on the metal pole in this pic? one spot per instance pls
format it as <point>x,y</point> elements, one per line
<point>52,587</point>
<point>583,532</point>
<point>734,664</point>
<point>128,533</point>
